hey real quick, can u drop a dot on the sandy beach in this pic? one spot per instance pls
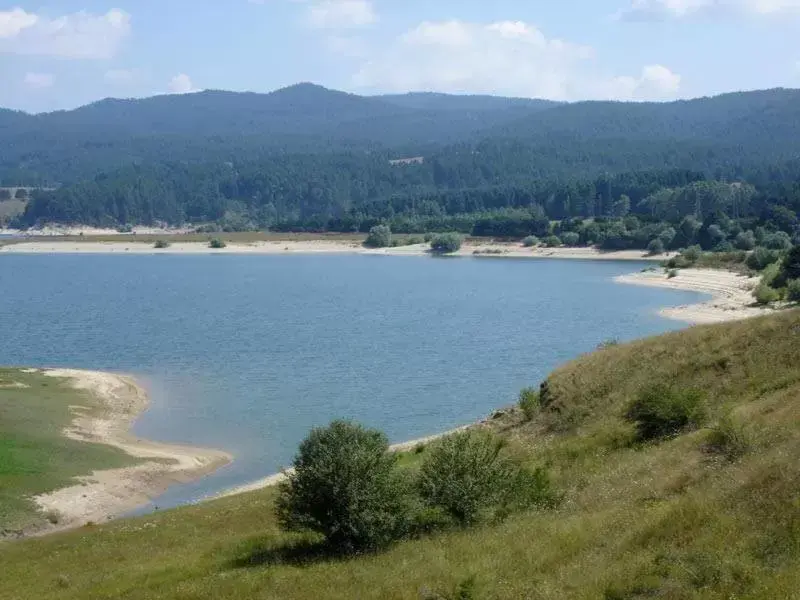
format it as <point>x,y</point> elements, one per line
<point>316,247</point>
<point>107,494</point>
<point>732,294</point>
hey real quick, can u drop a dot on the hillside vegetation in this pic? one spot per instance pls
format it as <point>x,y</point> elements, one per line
<point>708,511</point>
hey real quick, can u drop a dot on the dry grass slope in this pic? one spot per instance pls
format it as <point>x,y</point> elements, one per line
<point>675,519</point>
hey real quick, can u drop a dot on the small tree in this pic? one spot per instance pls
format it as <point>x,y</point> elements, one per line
<point>161,244</point>
<point>379,236</point>
<point>791,265</point>
<point>345,487</point>
<point>661,412</point>
<point>745,240</point>
<point>761,258</point>
<point>570,239</point>
<point>467,476</point>
<point>21,194</point>
<point>552,241</point>
<point>529,402</point>
<point>530,241</point>
<point>446,243</point>
<point>217,244</point>
<point>793,290</point>
<point>655,247</point>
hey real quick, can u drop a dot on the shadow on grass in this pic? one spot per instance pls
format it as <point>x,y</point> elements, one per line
<point>261,552</point>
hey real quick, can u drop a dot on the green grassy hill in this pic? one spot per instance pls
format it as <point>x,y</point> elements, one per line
<point>712,513</point>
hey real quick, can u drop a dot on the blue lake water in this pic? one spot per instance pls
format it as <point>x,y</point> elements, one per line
<point>246,353</point>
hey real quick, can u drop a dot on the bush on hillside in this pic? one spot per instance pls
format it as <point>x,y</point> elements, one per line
<point>345,487</point>
<point>661,412</point>
<point>729,439</point>
<point>379,236</point>
<point>217,244</point>
<point>161,244</point>
<point>529,403</point>
<point>530,241</point>
<point>446,243</point>
<point>467,476</point>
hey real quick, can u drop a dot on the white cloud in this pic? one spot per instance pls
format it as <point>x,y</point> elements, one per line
<point>341,14</point>
<point>181,84</point>
<point>655,82</point>
<point>39,81</point>
<point>77,35</point>
<point>506,57</point>
<point>15,20</point>
<point>647,10</point>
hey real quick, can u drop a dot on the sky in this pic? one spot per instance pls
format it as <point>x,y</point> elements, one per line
<point>64,53</point>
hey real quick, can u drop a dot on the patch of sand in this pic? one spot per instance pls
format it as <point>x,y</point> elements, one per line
<point>106,494</point>
<point>319,247</point>
<point>732,294</point>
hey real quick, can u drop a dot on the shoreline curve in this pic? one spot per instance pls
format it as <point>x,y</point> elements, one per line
<point>107,494</point>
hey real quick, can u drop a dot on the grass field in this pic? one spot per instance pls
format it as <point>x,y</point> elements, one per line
<point>677,519</point>
<point>35,457</point>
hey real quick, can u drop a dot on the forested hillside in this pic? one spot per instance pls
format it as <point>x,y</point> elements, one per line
<point>314,159</point>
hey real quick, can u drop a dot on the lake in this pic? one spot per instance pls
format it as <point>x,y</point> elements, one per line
<point>246,353</point>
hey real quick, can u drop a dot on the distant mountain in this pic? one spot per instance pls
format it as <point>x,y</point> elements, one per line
<point>229,127</point>
<point>469,103</point>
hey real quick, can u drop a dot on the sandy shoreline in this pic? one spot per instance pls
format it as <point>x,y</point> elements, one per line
<point>107,494</point>
<point>317,247</point>
<point>732,294</point>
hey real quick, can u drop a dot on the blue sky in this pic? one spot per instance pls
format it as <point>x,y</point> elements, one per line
<point>61,54</point>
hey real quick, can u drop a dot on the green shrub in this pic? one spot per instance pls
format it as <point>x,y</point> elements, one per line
<point>379,236</point>
<point>672,273</point>
<point>692,254</point>
<point>161,244</point>
<point>428,237</point>
<point>446,243</point>
<point>552,241</point>
<point>655,247</point>
<point>745,240</point>
<point>529,403</point>
<point>762,257</point>
<point>729,439</point>
<point>764,294</point>
<point>678,262</point>
<point>793,290</point>
<point>530,241</point>
<point>415,240</point>
<point>345,486</point>
<point>660,412</point>
<point>217,244</point>
<point>467,476</point>
<point>790,267</point>
<point>779,240</point>
<point>571,239</point>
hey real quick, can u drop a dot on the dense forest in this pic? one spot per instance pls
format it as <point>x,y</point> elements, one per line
<point>307,158</point>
